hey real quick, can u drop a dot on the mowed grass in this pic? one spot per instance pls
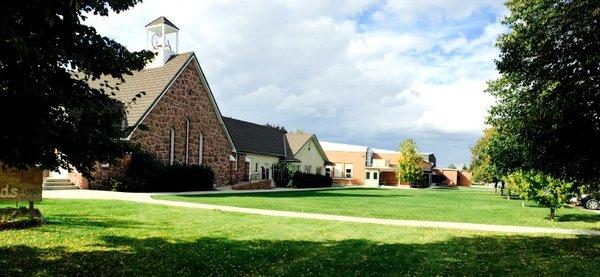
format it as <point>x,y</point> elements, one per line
<point>463,205</point>
<point>104,237</point>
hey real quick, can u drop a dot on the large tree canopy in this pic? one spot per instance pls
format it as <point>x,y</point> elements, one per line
<point>482,168</point>
<point>548,112</point>
<point>43,108</point>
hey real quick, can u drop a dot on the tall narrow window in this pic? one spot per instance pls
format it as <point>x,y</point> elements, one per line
<point>187,141</point>
<point>200,149</point>
<point>171,145</point>
<point>348,170</point>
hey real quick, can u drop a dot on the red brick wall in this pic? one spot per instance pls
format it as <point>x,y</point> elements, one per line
<point>347,182</point>
<point>464,179</point>
<point>455,177</point>
<point>388,178</point>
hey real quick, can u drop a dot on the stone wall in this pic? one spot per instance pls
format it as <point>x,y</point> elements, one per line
<point>103,172</point>
<point>189,99</point>
<point>241,174</point>
<point>253,185</point>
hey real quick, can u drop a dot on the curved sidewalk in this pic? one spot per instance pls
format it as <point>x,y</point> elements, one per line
<point>147,198</point>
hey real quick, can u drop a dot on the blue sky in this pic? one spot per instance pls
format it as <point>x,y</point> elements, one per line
<point>361,72</point>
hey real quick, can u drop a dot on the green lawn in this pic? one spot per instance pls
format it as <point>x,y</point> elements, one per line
<point>121,238</point>
<point>464,205</point>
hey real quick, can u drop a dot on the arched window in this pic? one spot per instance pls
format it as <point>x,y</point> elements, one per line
<point>171,146</point>
<point>187,140</point>
<point>200,148</point>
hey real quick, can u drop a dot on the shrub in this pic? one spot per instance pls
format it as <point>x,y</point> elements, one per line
<point>281,174</point>
<point>144,165</point>
<point>125,183</point>
<point>147,174</point>
<point>515,183</point>
<point>181,177</point>
<point>307,180</point>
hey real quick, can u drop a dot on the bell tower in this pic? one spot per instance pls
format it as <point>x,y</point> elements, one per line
<point>162,37</point>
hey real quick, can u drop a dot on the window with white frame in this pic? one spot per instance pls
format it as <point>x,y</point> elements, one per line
<point>200,148</point>
<point>187,140</point>
<point>328,171</point>
<point>307,168</point>
<point>348,170</point>
<point>368,175</point>
<point>171,146</point>
<point>235,156</point>
<point>375,176</point>
<point>337,170</point>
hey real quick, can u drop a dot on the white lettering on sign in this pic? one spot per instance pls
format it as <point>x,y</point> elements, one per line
<point>8,192</point>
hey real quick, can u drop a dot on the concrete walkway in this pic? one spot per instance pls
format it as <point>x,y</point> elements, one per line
<point>147,198</point>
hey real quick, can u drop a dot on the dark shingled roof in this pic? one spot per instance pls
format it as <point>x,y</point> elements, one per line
<point>258,139</point>
<point>162,20</point>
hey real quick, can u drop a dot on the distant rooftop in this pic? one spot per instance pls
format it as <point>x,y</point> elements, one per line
<point>334,146</point>
<point>342,147</point>
<point>384,151</point>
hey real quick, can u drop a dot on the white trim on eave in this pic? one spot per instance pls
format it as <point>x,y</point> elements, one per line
<point>213,102</point>
<point>318,145</point>
<point>147,112</point>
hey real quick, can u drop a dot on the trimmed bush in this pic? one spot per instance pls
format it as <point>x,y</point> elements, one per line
<point>147,174</point>
<point>281,174</point>
<point>307,180</point>
<point>180,177</point>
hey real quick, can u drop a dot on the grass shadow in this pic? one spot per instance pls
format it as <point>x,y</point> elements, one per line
<point>478,255</point>
<point>21,224</point>
<point>590,218</point>
<point>91,222</point>
<point>294,194</point>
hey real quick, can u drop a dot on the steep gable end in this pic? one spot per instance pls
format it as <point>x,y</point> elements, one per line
<point>149,84</point>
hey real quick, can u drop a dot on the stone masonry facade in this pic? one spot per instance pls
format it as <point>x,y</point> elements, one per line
<point>188,100</point>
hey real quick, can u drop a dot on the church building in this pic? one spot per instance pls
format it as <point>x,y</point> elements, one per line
<point>176,117</point>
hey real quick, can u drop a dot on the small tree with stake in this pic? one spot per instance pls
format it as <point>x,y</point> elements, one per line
<point>409,169</point>
<point>547,191</point>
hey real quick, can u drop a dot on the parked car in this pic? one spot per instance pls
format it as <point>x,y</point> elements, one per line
<point>590,202</point>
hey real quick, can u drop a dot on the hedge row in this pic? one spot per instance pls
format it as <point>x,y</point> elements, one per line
<point>147,174</point>
<point>307,180</point>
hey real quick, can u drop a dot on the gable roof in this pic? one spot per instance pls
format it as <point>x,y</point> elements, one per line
<point>254,138</point>
<point>152,81</point>
<point>162,20</point>
<point>298,140</point>
<point>155,82</point>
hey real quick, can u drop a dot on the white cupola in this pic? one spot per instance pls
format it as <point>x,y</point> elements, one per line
<point>162,37</point>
